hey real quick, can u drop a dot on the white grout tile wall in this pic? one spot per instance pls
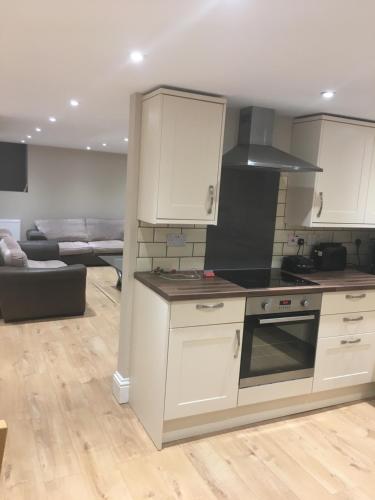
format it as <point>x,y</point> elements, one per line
<point>312,236</point>
<point>154,251</point>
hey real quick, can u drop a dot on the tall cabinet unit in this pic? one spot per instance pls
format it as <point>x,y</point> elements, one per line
<point>180,157</point>
<point>343,194</point>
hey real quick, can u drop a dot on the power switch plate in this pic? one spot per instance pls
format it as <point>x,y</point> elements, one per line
<point>176,240</point>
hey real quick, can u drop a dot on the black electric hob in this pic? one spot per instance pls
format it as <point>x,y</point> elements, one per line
<point>262,278</point>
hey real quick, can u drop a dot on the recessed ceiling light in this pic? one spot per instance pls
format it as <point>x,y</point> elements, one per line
<point>88,148</point>
<point>104,144</point>
<point>74,103</point>
<point>328,94</point>
<point>23,141</point>
<point>38,129</point>
<point>52,119</point>
<point>136,56</point>
<point>28,136</point>
<point>126,139</point>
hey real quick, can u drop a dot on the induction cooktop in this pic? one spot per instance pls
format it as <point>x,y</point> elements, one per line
<point>263,278</point>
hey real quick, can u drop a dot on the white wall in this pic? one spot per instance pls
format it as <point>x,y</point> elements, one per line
<point>68,183</point>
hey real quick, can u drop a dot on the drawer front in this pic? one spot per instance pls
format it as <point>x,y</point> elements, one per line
<point>207,312</point>
<point>344,361</point>
<point>278,390</point>
<point>353,323</point>
<point>352,301</point>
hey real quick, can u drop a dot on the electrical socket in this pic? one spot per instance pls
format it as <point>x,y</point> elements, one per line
<point>176,239</point>
<point>293,239</point>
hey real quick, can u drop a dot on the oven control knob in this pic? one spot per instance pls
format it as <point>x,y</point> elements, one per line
<point>304,302</point>
<point>266,306</point>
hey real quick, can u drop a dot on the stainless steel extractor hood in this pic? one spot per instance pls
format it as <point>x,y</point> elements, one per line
<point>254,148</point>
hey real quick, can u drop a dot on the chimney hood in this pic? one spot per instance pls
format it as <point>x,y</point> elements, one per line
<point>254,148</point>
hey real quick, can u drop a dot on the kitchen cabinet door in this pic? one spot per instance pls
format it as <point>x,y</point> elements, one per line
<point>180,157</point>
<point>344,361</point>
<point>203,369</point>
<point>190,159</point>
<point>345,155</point>
<point>370,200</point>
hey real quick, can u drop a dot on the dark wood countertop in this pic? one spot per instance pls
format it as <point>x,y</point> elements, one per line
<point>207,288</point>
<point>214,288</point>
<point>336,281</point>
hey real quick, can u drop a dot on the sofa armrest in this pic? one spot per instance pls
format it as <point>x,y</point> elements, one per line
<point>34,235</point>
<point>42,293</point>
<point>41,250</point>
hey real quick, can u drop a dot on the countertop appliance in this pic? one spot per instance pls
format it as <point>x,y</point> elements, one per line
<point>281,330</point>
<point>254,148</point>
<point>329,257</point>
<point>298,264</point>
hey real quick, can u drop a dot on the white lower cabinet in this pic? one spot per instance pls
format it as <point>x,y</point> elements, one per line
<point>343,361</point>
<point>203,369</point>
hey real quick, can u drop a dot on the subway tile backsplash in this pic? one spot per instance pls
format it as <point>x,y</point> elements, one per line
<point>313,236</point>
<point>153,250</point>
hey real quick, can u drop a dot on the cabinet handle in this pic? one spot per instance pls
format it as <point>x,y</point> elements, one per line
<point>356,341</point>
<point>361,296</point>
<point>238,337</point>
<point>321,204</point>
<point>211,191</point>
<point>360,318</point>
<point>205,307</point>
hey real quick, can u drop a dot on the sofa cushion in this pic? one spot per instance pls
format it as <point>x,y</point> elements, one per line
<point>63,229</point>
<point>107,246</point>
<point>45,264</point>
<point>4,232</point>
<point>11,253</point>
<point>74,247</point>
<point>105,229</point>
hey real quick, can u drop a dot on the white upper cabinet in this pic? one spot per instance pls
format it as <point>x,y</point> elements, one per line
<point>180,157</point>
<point>343,194</point>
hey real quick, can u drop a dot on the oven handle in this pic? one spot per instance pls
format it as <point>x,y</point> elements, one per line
<point>286,319</point>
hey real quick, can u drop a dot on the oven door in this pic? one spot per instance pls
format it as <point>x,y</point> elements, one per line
<point>278,347</point>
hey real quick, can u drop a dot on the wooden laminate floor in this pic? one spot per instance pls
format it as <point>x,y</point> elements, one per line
<point>69,439</point>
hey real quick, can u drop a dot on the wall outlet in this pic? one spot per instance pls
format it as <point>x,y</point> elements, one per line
<point>176,239</point>
<point>293,239</point>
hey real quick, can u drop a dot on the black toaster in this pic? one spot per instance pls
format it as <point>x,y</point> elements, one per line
<point>329,256</point>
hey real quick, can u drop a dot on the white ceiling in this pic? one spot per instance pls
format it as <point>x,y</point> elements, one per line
<point>277,53</point>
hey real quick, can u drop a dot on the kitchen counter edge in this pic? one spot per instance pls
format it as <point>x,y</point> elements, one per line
<point>215,288</point>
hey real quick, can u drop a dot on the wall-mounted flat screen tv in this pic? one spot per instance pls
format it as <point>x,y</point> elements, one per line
<point>13,167</point>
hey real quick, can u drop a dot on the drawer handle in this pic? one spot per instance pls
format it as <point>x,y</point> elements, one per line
<point>360,318</point>
<point>238,337</point>
<point>356,341</point>
<point>205,307</point>
<point>361,296</point>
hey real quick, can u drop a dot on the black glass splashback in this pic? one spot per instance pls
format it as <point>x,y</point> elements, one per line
<point>243,238</point>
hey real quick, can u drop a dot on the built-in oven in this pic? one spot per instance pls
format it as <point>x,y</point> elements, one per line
<point>280,338</point>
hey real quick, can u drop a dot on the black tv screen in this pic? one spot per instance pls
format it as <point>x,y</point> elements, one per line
<point>13,167</point>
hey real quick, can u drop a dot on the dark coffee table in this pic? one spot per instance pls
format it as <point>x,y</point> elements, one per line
<point>115,261</point>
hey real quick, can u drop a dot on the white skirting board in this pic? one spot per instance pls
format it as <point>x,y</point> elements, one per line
<point>120,388</point>
<point>13,225</point>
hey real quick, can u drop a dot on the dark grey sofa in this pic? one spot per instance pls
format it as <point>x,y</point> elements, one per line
<point>44,290</point>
